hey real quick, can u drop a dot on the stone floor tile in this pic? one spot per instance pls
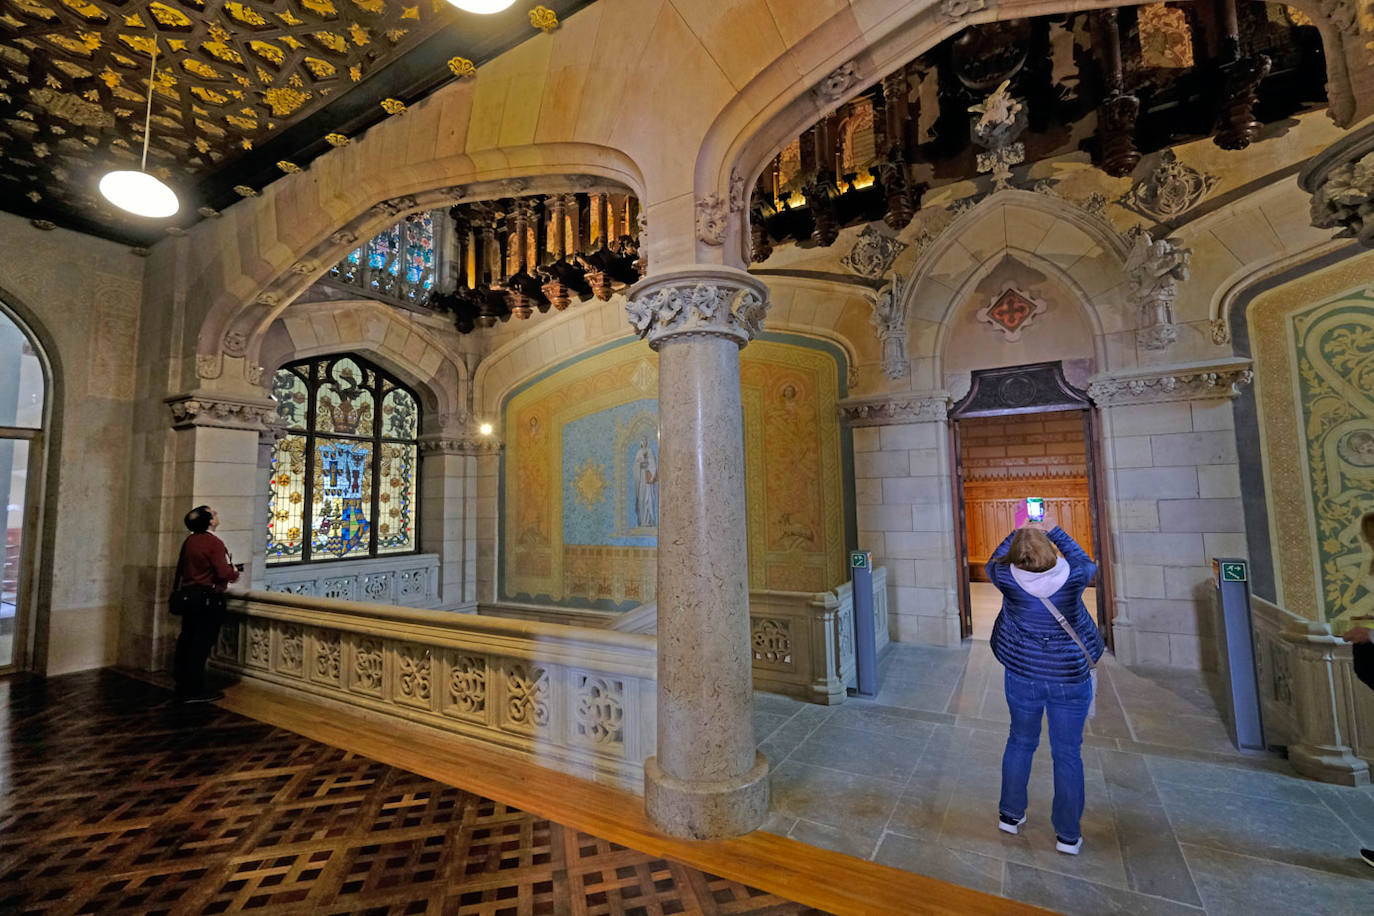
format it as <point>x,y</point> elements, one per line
<point>959,866</point>
<point>765,724</point>
<point>1289,787</point>
<point>866,753</point>
<point>851,842</point>
<point>1354,806</point>
<point>1078,897</point>
<point>1305,835</point>
<point>874,718</point>
<point>776,703</point>
<point>1235,885</point>
<point>1151,854</point>
<point>832,797</point>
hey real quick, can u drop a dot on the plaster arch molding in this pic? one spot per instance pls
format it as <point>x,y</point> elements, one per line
<point>413,353</point>
<point>243,308</point>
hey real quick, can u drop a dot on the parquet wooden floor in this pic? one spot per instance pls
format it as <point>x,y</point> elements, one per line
<point>115,800</point>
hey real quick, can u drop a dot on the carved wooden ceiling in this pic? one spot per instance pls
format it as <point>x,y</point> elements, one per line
<point>240,86</point>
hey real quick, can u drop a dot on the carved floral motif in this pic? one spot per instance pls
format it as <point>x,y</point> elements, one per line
<point>467,685</point>
<point>367,666</point>
<point>220,412</point>
<point>328,652</point>
<point>838,82</point>
<point>886,410</point>
<point>771,638</point>
<point>527,695</point>
<point>599,716</point>
<point>1170,190</point>
<point>413,673</point>
<point>1011,312</point>
<point>292,649</point>
<point>1223,380</point>
<point>1344,200</point>
<point>259,644</point>
<point>954,10</point>
<point>738,198</point>
<point>697,307</point>
<point>873,253</point>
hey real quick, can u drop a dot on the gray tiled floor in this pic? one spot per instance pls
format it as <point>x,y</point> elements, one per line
<point>1177,820</point>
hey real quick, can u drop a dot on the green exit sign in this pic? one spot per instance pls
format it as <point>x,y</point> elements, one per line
<point>858,559</point>
<point>1233,572</point>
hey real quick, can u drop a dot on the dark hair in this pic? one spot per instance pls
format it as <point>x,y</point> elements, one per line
<point>198,519</point>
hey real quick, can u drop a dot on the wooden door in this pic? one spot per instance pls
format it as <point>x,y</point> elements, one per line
<point>1101,543</point>
<point>961,548</point>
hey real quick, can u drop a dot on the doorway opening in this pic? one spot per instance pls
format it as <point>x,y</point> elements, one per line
<point>22,409</point>
<point>1024,432</point>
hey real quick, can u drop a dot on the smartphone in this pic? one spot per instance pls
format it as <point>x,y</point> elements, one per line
<point>1035,508</point>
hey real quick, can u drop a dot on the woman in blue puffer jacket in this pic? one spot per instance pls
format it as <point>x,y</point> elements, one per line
<point>1048,671</point>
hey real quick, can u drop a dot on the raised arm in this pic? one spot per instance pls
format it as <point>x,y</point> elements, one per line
<point>1082,565</point>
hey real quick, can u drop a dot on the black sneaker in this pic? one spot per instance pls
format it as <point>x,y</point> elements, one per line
<point>1008,824</point>
<point>1067,847</point>
<point>1368,856</point>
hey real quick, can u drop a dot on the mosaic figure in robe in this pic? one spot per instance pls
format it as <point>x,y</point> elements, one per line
<point>646,486</point>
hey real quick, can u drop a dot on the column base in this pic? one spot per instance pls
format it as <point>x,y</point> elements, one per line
<point>1329,764</point>
<point>708,809</point>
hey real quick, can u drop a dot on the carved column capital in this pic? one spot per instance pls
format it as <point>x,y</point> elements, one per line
<point>695,301</point>
<point>1182,382</point>
<point>470,444</point>
<point>208,409</point>
<point>1341,182</point>
<point>895,409</point>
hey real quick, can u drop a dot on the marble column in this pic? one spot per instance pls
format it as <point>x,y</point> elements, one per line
<point>448,517</point>
<point>708,779</point>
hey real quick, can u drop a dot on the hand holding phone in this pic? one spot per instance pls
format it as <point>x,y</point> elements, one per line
<point>1035,508</point>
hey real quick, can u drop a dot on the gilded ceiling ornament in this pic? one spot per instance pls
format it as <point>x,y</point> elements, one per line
<point>289,168</point>
<point>393,106</point>
<point>34,196</point>
<point>336,139</point>
<point>45,225</point>
<point>208,212</point>
<point>71,108</point>
<point>461,67</point>
<point>543,18</point>
<point>175,231</point>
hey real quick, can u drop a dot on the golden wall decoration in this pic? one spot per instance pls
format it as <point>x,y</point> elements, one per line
<point>393,106</point>
<point>1313,340</point>
<point>579,504</point>
<point>544,19</point>
<point>461,67</point>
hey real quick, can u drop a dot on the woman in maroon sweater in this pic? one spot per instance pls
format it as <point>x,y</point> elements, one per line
<point>204,568</point>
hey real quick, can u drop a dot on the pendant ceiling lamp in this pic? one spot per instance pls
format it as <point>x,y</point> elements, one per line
<point>137,191</point>
<point>482,6</point>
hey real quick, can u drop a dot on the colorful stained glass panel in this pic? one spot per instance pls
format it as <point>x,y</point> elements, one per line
<point>344,405</point>
<point>292,397</point>
<point>419,259</point>
<point>396,498</point>
<point>343,499</point>
<point>286,502</point>
<point>400,415</point>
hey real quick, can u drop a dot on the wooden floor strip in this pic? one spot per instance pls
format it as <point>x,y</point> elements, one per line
<point>807,874</point>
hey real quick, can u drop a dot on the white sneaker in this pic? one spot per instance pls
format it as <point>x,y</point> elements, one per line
<point>1066,847</point>
<point>1010,824</point>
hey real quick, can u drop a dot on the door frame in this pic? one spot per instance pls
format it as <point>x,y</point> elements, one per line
<point>31,525</point>
<point>1032,388</point>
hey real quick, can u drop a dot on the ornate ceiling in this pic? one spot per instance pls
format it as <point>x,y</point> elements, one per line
<point>243,91</point>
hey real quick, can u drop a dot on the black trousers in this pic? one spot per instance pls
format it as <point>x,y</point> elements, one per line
<point>199,631</point>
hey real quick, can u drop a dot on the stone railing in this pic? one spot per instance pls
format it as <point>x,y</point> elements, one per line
<point>407,580</point>
<point>1311,702</point>
<point>803,642</point>
<point>578,699</point>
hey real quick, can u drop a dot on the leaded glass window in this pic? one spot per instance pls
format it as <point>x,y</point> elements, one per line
<point>345,472</point>
<point>398,262</point>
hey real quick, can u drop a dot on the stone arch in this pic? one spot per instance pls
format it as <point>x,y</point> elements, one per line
<point>865,42</point>
<point>414,354</point>
<point>250,264</point>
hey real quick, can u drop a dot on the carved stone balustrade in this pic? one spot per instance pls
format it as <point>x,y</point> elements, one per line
<point>574,698</point>
<point>408,580</point>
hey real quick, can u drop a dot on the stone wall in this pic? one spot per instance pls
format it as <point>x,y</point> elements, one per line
<point>81,295</point>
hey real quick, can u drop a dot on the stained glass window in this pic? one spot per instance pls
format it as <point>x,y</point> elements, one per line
<point>345,473</point>
<point>400,262</point>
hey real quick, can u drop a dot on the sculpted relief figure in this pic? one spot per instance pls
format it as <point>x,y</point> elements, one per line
<point>646,486</point>
<point>1154,269</point>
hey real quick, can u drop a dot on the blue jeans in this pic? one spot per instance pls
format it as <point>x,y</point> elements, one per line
<point>1067,708</point>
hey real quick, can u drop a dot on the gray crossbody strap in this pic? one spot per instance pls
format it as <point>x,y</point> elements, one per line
<point>1049,606</point>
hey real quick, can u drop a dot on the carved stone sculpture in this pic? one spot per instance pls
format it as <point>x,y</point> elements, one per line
<point>954,10</point>
<point>1153,271</point>
<point>838,82</point>
<point>711,216</point>
<point>698,306</point>
<point>1170,190</point>
<point>1343,198</point>
<point>873,253</point>
<point>1002,119</point>
<point>889,321</point>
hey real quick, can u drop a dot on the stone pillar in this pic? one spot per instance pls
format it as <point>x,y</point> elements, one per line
<point>708,779</point>
<point>448,518</point>
<point>905,509</point>
<point>1173,503</point>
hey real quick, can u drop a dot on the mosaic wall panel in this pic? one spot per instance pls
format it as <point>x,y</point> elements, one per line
<point>580,492</point>
<point>1313,341</point>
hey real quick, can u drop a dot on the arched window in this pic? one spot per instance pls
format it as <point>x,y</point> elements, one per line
<point>22,396</point>
<point>345,476</point>
<point>398,262</point>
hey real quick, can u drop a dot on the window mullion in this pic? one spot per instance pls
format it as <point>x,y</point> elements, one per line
<point>308,514</point>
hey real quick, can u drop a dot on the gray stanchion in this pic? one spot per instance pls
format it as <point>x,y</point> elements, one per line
<point>1236,642</point>
<point>865,634</point>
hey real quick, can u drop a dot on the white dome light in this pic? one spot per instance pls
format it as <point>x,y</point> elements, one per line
<point>139,193</point>
<point>485,429</point>
<point>482,6</point>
